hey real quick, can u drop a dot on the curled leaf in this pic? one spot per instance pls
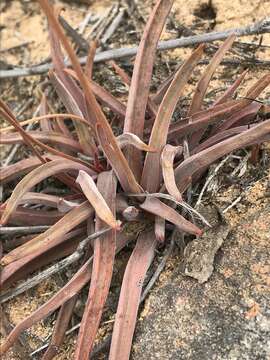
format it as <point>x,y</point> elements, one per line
<point>95,198</point>
<point>131,139</point>
<point>36,176</point>
<point>167,158</point>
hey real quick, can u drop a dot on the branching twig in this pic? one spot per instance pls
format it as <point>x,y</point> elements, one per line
<point>259,27</point>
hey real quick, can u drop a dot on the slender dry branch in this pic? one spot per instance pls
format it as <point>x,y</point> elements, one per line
<point>23,230</point>
<point>260,27</point>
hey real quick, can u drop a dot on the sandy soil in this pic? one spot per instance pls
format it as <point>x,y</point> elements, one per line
<point>23,23</point>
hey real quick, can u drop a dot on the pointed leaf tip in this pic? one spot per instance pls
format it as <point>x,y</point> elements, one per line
<point>95,198</point>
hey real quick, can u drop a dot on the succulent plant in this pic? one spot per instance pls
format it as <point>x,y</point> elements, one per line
<point>139,175</point>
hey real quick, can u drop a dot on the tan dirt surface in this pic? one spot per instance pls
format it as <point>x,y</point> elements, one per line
<point>23,23</point>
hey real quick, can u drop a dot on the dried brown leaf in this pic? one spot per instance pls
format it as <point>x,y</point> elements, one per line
<point>95,198</point>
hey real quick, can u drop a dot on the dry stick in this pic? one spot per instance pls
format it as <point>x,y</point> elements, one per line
<point>12,230</point>
<point>16,147</point>
<point>84,23</point>
<point>74,34</point>
<point>259,27</point>
<point>113,26</point>
<point>16,47</point>
<point>28,284</point>
<point>236,201</point>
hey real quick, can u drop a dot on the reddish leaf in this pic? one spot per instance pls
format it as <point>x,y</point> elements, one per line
<point>156,207</point>
<point>75,284</point>
<point>43,136</point>
<point>35,177</point>
<point>228,94</point>
<point>129,300</point>
<point>204,158</point>
<point>47,239</point>
<point>96,199</point>
<point>198,96</point>
<point>104,252</point>
<point>151,175</point>
<point>167,158</point>
<point>98,118</point>
<point>140,83</point>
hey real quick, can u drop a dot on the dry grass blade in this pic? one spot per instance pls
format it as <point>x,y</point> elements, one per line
<point>167,158</point>
<point>197,100</point>
<point>75,284</point>
<point>246,114</point>
<point>120,164</point>
<point>104,96</point>
<point>43,136</point>
<point>104,252</point>
<point>157,207</point>
<point>151,175</point>
<point>114,154</point>
<point>60,328</point>
<point>36,176</point>
<point>201,160</point>
<point>129,300</point>
<point>18,169</point>
<point>228,94</point>
<point>140,82</point>
<point>46,240</point>
<point>95,198</point>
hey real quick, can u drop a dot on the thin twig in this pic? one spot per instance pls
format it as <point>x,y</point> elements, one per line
<point>113,26</point>
<point>28,284</point>
<point>74,34</point>
<point>13,230</point>
<point>210,178</point>
<point>259,27</point>
<point>16,147</point>
<point>158,271</point>
<point>84,23</point>
<point>236,201</point>
<point>15,47</point>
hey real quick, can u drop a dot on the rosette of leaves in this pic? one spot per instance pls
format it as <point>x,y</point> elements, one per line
<point>118,178</point>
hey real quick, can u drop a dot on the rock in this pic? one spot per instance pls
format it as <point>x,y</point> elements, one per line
<point>227,317</point>
<point>199,254</point>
